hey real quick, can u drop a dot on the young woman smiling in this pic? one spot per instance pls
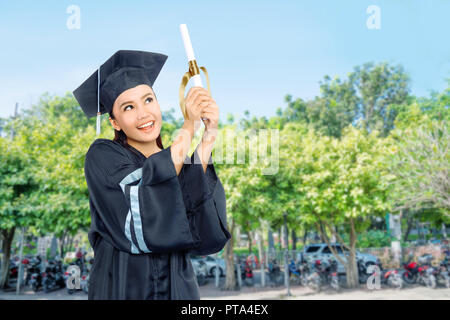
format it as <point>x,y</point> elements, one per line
<point>151,207</point>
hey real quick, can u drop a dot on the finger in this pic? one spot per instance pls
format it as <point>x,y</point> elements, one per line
<point>194,91</point>
<point>201,106</point>
<point>201,94</point>
<point>213,112</point>
<point>201,99</point>
<point>214,105</point>
<point>192,94</point>
<point>211,108</point>
<point>203,90</point>
<point>205,116</point>
<point>212,102</point>
<point>200,114</point>
<point>209,115</point>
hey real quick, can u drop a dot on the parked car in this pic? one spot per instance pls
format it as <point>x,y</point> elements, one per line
<point>321,251</point>
<point>200,270</point>
<point>211,263</point>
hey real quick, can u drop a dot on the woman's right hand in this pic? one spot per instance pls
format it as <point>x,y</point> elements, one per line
<point>196,100</point>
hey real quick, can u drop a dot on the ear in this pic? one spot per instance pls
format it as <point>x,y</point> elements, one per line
<point>114,124</point>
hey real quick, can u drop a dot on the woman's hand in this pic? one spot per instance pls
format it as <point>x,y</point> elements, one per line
<point>196,100</point>
<point>211,113</point>
<point>199,104</point>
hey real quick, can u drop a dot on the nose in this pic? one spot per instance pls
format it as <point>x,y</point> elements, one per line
<point>142,112</point>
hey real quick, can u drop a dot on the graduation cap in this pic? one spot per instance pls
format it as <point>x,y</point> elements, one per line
<point>124,70</point>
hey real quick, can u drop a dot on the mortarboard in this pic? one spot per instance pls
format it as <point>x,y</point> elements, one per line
<point>124,70</point>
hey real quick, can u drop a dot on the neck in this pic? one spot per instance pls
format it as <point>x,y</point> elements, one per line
<point>146,148</point>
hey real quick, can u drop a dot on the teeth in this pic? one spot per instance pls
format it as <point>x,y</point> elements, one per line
<point>151,123</point>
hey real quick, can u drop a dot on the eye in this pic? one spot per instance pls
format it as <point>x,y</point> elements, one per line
<point>149,98</point>
<point>125,109</point>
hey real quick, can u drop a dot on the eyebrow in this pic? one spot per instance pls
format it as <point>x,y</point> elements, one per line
<point>147,94</point>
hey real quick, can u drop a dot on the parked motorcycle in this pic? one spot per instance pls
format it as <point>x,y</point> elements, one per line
<point>13,273</point>
<point>26,269</point>
<point>53,277</point>
<point>35,274</point>
<point>324,274</point>
<point>426,276</point>
<point>411,272</point>
<point>390,277</point>
<point>248,273</point>
<point>414,273</point>
<point>84,283</point>
<point>333,275</point>
<point>362,271</point>
<point>294,273</point>
<point>305,271</point>
<point>446,261</point>
<point>31,266</point>
<point>85,278</point>
<point>275,274</point>
<point>441,274</point>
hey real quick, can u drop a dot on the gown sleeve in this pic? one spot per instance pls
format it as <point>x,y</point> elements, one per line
<point>139,208</point>
<point>205,201</point>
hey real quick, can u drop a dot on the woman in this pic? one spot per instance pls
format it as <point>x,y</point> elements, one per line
<point>151,207</point>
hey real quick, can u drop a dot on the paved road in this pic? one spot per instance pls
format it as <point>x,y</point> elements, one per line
<point>210,292</point>
<point>28,294</point>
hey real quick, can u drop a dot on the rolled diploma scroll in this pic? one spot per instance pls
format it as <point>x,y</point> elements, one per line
<point>190,54</point>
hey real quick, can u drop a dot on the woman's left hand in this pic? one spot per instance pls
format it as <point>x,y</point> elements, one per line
<point>211,112</point>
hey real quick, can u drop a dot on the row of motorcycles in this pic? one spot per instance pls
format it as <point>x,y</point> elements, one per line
<point>317,275</point>
<point>323,273</point>
<point>320,274</point>
<point>424,273</point>
<point>54,275</point>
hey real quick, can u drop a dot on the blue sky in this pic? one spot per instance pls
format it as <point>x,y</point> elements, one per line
<point>256,52</point>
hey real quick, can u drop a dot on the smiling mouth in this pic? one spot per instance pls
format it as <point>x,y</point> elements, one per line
<point>147,125</point>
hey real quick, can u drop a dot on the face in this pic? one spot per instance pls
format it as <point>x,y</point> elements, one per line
<point>134,110</point>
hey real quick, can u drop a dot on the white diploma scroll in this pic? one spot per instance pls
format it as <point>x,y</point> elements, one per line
<point>190,52</point>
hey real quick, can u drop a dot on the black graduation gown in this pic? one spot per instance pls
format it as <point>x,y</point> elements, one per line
<point>146,222</point>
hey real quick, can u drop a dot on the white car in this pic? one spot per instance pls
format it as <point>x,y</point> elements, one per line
<point>200,270</point>
<point>321,251</point>
<point>211,263</point>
